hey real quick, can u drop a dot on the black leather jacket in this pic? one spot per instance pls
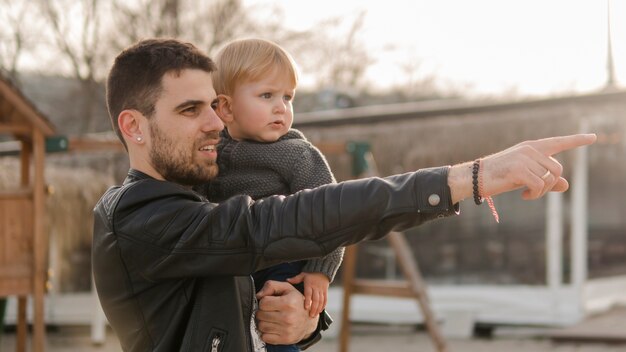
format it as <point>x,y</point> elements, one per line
<point>172,270</point>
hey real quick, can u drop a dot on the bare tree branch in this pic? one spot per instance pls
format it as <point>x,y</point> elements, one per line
<point>340,60</point>
<point>14,37</point>
<point>170,18</point>
<point>82,52</point>
<point>87,34</point>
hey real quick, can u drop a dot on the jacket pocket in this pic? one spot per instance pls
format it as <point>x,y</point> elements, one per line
<point>216,340</point>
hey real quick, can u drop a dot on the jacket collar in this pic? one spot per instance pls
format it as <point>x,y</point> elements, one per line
<point>136,175</point>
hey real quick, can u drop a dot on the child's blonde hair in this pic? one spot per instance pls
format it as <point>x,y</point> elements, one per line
<point>248,60</point>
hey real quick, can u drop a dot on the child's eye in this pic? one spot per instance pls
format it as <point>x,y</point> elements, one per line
<point>288,97</point>
<point>266,95</point>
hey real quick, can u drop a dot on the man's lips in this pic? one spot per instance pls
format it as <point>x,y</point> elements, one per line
<point>207,148</point>
<point>209,145</point>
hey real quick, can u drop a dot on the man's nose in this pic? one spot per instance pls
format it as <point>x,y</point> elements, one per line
<point>212,122</point>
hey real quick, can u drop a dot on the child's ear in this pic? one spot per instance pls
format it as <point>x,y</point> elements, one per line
<point>224,108</point>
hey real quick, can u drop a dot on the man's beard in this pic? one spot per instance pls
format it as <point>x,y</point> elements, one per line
<point>176,164</point>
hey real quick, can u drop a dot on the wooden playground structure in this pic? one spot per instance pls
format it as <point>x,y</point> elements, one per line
<point>23,238</point>
<point>364,165</point>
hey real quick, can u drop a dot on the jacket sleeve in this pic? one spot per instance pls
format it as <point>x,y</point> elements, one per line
<point>312,170</point>
<point>183,236</point>
<point>327,265</point>
<point>322,325</point>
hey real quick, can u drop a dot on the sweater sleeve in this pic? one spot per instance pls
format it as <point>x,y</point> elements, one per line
<point>327,265</point>
<point>310,171</point>
<point>313,171</point>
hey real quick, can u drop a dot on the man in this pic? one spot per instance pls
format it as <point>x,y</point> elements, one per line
<point>173,270</point>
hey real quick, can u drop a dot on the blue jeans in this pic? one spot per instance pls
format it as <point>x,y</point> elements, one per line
<point>282,348</point>
<point>280,272</point>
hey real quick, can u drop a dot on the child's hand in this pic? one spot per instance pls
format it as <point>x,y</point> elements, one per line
<point>315,291</point>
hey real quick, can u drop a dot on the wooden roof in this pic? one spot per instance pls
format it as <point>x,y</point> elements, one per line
<point>18,115</point>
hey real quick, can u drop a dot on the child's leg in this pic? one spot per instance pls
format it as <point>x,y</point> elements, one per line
<point>282,348</point>
<point>279,272</point>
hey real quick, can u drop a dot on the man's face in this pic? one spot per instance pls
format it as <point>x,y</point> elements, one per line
<point>262,110</point>
<point>184,130</point>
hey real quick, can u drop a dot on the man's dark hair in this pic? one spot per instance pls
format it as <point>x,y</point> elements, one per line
<point>135,80</point>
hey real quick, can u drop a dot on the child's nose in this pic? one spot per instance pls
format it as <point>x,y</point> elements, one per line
<point>280,107</point>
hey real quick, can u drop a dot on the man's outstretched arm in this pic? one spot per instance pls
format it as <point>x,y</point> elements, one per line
<point>528,165</point>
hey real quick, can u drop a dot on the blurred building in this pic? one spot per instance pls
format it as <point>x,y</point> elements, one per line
<point>472,248</point>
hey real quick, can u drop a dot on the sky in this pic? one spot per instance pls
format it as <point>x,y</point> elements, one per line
<point>492,47</point>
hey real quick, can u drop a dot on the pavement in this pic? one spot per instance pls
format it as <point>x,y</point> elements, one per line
<point>365,338</point>
<point>607,327</point>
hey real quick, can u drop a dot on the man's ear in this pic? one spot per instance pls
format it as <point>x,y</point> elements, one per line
<point>224,108</point>
<point>131,125</point>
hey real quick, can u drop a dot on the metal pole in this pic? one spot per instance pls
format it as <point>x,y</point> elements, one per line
<point>579,223</point>
<point>554,247</point>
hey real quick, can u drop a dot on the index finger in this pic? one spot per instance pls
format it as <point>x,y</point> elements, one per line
<point>274,288</point>
<point>286,303</point>
<point>555,145</point>
<point>270,304</point>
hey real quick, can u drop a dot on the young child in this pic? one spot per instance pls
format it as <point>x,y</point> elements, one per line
<point>260,155</point>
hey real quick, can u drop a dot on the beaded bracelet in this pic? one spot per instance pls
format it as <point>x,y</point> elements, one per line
<point>477,183</point>
<point>475,169</point>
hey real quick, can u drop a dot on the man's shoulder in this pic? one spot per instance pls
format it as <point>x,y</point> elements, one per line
<point>109,198</point>
<point>141,191</point>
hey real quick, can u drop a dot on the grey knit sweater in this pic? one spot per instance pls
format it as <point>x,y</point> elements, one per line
<point>259,170</point>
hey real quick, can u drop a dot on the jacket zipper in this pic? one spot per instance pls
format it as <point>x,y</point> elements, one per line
<point>252,298</point>
<point>215,344</point>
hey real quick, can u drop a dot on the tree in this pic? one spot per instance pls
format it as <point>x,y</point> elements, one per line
<point>217,23</point>
<point>85,35</point>
<point>79,42</point>
<point>340,60</point>
<point>134,20</point>
<point>15,37</point>
<point>207,24</point>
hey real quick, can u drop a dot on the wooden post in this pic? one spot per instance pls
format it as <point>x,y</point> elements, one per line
<point>22,301</point>
<point>349,271</point>
<point>20,346</point>
<point>40,242</point>
<point>411,271</point>
<point>365,165</point>
<point>25,156</point>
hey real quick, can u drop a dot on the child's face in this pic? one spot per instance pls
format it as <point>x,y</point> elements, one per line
<point>262,110</point>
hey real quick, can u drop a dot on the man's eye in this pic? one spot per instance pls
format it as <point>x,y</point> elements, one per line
<point>214,105</point>
<point>190,110</point>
